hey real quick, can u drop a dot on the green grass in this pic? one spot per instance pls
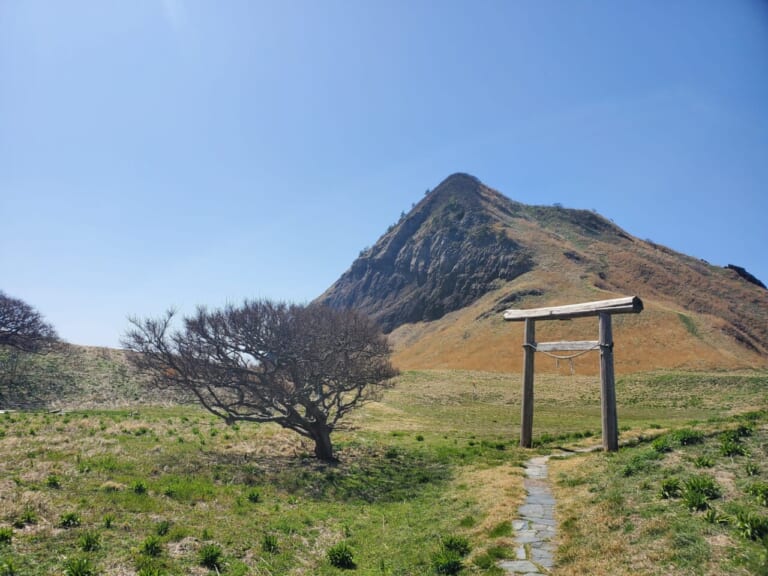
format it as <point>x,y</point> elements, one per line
<point>151,487</point>
<point>669,515</point>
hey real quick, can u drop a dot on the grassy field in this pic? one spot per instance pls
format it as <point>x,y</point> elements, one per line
<point>432,466</point>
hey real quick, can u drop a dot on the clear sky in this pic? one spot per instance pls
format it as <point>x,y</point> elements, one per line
<point>158,153</point>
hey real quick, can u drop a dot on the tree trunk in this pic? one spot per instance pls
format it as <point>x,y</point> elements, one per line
<point>321,434</point>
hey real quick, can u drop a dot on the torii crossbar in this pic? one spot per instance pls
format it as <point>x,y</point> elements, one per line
<point>603,309</point>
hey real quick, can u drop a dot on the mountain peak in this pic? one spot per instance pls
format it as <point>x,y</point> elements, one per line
<point>446,252</point>
<point>465,245</point>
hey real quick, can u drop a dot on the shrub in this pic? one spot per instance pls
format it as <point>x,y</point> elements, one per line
<point>210,556</point>
<point>89,541</point>
<point>254,496</point>
<point>69,520</point>
<point>670,488</point>
<point>109,521</point>
<point>341,556</point>
<point>79,566</point>
<point>6,535</point>
<point>53,481</point>
<point>447,561</point>
<point>152,546</point>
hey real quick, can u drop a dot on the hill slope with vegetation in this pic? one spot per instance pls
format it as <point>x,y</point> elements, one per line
<point>440,278</point>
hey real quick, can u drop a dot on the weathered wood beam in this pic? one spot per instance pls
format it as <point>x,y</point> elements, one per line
<point>566,346</point>
<point>627,305</point>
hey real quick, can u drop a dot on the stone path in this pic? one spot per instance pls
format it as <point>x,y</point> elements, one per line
<point>535,529</point>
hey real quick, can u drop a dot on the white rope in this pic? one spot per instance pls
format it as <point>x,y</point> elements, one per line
<point>570,356</point>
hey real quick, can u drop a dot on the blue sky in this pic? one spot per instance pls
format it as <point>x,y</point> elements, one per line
<point>174,153</point>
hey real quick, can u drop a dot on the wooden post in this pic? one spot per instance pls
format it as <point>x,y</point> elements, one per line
<point>608,385</point>
<point>529,350</point>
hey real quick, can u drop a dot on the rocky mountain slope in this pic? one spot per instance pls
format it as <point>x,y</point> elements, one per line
<point>439,279</point>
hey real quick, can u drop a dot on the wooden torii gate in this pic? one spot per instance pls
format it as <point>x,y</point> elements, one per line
<point>603,309</point>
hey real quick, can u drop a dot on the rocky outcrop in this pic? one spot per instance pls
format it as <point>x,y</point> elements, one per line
<point>446,253</point>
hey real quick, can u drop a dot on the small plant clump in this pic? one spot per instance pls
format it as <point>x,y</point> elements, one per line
<point>670,488</point>
<point>269,544</point>
<point>751,525</point>
<point>139,487</point>
<point>53,481</point>
<point>458,544</point>
<point>8,568</point>
<point>210,556</point>
<point>162,527</point>
<point>27,517</point>
<point>449,558</point>
<point>341,556</point>
<point>152,546</point>
<point>698,491</point>
<point>446,561</point>
<point>6,535</point>
<point>79,566</point>
<point>662,444</point>
<point>70,520</point>
<point>89,541</point>
<point>687,436</point>
<point>760,491</point>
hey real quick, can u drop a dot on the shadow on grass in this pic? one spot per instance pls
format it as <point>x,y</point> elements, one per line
<point>365,474</point>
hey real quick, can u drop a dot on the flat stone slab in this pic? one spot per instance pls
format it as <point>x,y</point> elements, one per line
<point>519,567</point>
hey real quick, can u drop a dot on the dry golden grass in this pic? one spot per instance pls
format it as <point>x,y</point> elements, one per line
<point>497,491</point>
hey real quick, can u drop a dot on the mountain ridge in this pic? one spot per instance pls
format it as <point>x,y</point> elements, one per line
<point>467,251</point>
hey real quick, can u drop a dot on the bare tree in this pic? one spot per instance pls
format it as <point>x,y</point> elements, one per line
<point>22,327</point>
<point>302,367</point>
